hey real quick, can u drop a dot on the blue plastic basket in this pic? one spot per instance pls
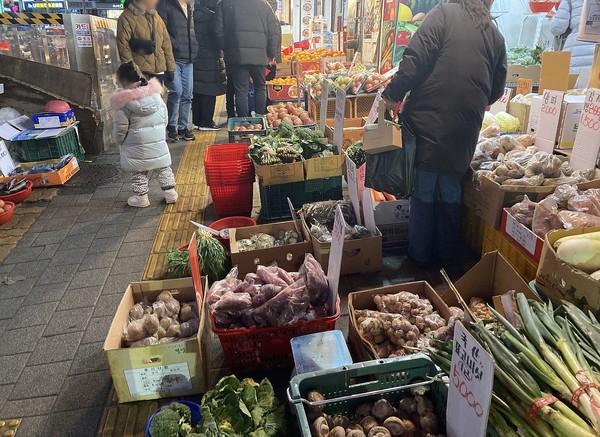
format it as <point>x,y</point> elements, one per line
<point>194,408</point>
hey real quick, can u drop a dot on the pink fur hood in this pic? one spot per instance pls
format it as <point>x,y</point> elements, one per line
<point>123,97</point>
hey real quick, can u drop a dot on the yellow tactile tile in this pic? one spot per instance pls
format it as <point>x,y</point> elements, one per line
<point>8,427</point>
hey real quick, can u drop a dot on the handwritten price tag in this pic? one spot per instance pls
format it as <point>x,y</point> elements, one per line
<point>548,122</point>
<point>587,140</point>
<point>324,101</point>
<point>524,86</point>
<point>525,237</point>
<point>340,105</point>
<point>374,112</point>
<point>338,235</point>
<point>470,388</point>
<point>501,105</point>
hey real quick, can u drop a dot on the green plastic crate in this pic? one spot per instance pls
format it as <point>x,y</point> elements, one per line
<point>51,148</point>
<point>245,136</point>
<point>273,198</point>
<point>352,385</point>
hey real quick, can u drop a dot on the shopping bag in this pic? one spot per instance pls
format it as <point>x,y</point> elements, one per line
<point>394,172</point>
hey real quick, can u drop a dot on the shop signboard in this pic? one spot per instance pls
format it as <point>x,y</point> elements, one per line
<point>470,386</point>
<point>549,117</point>
<point>587,139</point>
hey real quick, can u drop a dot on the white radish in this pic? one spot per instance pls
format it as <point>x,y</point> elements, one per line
<point>596,275</point>
<point>588,236</point>
<point>581,253</point>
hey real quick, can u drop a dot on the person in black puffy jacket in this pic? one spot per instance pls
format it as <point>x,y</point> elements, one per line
<point>248,32</point>
<point>453,67</point>
<point>209,67</point>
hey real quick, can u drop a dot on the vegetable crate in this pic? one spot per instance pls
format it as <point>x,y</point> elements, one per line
<point>362,104</point>
<point>315,109</point>
<point>494,240</point>
<point>258,349</point>
<point>228,164</point>
<point>51,148</point>
<point>273,198</point>
<point>244,136</point>
<point>345,388</point>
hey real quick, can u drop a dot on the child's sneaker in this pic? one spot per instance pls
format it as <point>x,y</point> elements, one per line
<point>138,201</point>
<point>171,196</point>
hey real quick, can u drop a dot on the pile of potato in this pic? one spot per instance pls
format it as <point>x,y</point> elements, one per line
<point>4,207</point>
<point>165,321</point>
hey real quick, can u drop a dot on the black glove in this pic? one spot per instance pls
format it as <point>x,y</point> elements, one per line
<point>169,76</point>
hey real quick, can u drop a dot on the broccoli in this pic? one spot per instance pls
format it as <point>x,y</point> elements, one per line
<point>286,130</point>
<point>165,424</point>
<point>308,134</point>
<point>184,412</point>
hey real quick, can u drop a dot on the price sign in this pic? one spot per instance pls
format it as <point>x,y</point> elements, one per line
<point>524,86</point>
<point>6,162</point>
<point>338,235</point>
<point>501,105</point>
<point>521,234</point>
<point>470,387</point>
<point>587,140</point>
<point>368,212</point>
<point>324,102</point>
<point>353,191</point>
<point>374,112</point>
<point>548,122</point>
<point>340,105</point>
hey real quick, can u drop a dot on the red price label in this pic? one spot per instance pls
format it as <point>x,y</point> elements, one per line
<point>464,391</point>
<point>547,109</point>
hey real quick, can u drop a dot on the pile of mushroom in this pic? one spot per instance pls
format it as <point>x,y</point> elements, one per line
<point>413,416</point>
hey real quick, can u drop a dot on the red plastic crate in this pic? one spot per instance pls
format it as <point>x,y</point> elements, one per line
<point>228,164</point>
<point>255,349</point>
<point>232,199</point>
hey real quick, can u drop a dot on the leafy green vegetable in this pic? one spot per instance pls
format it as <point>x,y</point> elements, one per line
<point>211,256</point>
<point>165,424</point>
<point>241,409</point>
<point>524,56</point>
<point>356,153</point>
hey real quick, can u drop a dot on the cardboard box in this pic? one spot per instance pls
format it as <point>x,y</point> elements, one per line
<point>521,236</point>
<point>59,177</point>
<point>394,235</point>
<point>289,257</point>
<point>284,92</point>
<point>363,300</point>
<point>353,130</point>
<point>534,114</point>
<point>164,370</point>
<point>385,138</point>
<point>555,71</point>
<point>363,255</point>
<point>280,173</point>
<point>570,114</point>
<point>490,278</point>
<point>389,212</point>
<point>49,120</point>
<point>558,280</point>
<point>325,167</point>
<point>588,23</point>
<point>521,111</point>
<point>516,72</point>
<point>284,69</point>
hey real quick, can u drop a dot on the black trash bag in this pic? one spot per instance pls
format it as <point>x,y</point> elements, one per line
<point>394,172</point>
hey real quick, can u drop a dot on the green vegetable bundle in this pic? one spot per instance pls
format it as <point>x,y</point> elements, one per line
<point>173,420</point>
<point>211,256</point>
<point>356,153</point>
<point>524,56</point>
<point>244,408</point>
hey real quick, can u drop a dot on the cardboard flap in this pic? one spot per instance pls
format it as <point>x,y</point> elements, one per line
<point>195,265</point>
<point>296,220</point>
<point>368,211</point>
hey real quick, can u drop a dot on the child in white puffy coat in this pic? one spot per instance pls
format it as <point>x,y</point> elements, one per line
<point>140,121</point>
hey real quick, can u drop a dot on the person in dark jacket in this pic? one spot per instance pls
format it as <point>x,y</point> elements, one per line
<point>453,67</point>
<point>178,17</point>
<point>248,33</point>
<point>209,67</point>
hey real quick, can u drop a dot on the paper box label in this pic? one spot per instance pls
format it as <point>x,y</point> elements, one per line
<point>160,379</point>
<point>587,140</point>
<point>524,86</point>
<point>548,120</point>
<point>338,133</point>
<point>502,103</point>
<point>526,238</point>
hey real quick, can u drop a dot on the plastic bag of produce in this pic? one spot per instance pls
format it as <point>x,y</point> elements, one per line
<point>394,172</point>
<point>563,193</point>
<point>507,122</point>
<point>585,203</point>
<point>489,120</point>
<point>230,283</point>
<point>578,219</point>
<point>315,280</point>
<point>288,307</point>
<point>546,217</point>
<point>523,211</point>
<point>545,164</point>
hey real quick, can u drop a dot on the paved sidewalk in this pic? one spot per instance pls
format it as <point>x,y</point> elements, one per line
<point>59,289</point>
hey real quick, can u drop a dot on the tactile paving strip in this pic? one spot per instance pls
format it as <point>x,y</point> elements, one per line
<point>8,427</point>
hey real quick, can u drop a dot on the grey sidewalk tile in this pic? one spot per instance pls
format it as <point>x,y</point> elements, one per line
<point>68,256</point>
<point>134,264</point>
<point>49,251</point>
<point>147,222</point>
<point>8,307</point>
<point>3,325</point>
<point>20,341</point>
<point>39,225</point>
<point>11,367</point>
<point>89,278</point>
<point>63,200</point>
<point>135,249</point>
<point>20,288</point>
<point>106,193</point>
<point>155,209</point>
<point>97,330</point>
<point>113,230</point>
<point>6,268</point>
<point>109,244</point>
<point>55,349</point>
<point>97,260</point>
<point>69,211</point>
<point>56,274</point>
<point>27,239</point>
<point>39,381</point>
<point>48,212</point>
<point>30,269</point>
<point>120,218</point>
<point>139,234</point>
<point>46,293</point>
<point>86,390</point>
<point>92,215</point>
<point>19,256</point>
<point>117,284</point>
<point>32,315</point>
<point>107,305</point>
<point>80,298</point>
<point>60,223</point>
<point>76,242</point>
<point>33,426</point>
<point>5,391</point>
<point>83,199</point>
<point>87,228</point>
<point>99,203</point>
<point>27,408</point>
<point>89,358</point>
<point>75,423</point>
<point>66,321</point>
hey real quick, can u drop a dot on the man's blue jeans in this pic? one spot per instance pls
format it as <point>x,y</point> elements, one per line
<point>435,217</point>
<point>179,100</point>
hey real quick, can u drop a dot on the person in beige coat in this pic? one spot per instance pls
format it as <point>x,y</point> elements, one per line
<point>142,38</point>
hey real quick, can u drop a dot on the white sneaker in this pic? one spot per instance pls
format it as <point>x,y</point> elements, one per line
<point>138,201</point>
<point>171,195</point>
